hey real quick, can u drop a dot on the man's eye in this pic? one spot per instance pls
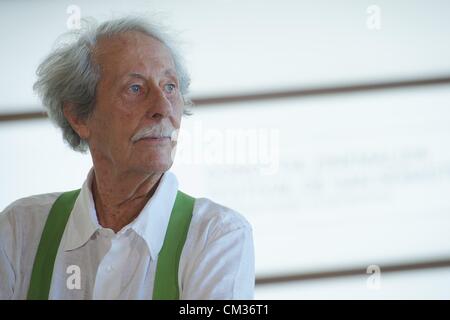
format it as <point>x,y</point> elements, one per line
<point>170,87</point>
<point>135,88</point>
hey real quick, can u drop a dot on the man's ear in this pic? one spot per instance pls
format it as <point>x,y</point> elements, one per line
<point>78,125</point>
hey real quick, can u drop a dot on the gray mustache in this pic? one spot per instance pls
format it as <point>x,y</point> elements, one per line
<point>157,131</point>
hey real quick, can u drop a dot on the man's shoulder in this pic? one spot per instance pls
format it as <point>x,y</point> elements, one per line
<point>31,208</point>
<point>216,219</point>
<point>33,201</point>
<point>21,225</point>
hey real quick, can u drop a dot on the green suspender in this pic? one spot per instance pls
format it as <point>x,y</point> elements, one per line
<point>165,286</point>
<point>166,278</point>
<point>41,276</point>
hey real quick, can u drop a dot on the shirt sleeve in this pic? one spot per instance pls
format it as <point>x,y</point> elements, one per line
<point>224,269</point>
<point>7,275</point>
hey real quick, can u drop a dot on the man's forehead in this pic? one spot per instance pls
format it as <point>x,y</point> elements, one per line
<point>133,45</point>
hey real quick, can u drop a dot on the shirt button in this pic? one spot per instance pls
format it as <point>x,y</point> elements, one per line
<point>109,268</point>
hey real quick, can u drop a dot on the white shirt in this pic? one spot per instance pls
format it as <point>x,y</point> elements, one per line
<point>217,261</point>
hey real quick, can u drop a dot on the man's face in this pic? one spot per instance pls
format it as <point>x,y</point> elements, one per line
<point>138,89</point>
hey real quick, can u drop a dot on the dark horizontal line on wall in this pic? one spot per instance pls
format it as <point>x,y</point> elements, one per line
<point>311,92</point>
<point>281,94</point>
<point>22,116</point>
<point>357,271</point>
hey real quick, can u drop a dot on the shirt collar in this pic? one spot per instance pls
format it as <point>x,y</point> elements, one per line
<point>150,224</point>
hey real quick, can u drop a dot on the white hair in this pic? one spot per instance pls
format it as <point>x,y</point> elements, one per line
<point>70,74</point>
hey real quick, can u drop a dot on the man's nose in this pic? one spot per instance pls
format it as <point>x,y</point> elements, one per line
<point>158,105</point>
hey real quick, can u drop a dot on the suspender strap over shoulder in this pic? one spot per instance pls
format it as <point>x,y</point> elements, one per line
<point>166,277</point>
<point>166,280</point>
<point>41,276</point>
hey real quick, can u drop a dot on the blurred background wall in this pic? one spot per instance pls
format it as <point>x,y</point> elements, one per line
<point>325,123</point>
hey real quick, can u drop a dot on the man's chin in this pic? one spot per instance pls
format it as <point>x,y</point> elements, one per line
<point>156,166</point>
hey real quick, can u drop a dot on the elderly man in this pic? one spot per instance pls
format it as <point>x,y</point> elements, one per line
<point>119,90</point>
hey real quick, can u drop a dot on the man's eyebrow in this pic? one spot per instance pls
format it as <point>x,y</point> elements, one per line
<point>136,75</point>
<point>168,73</point>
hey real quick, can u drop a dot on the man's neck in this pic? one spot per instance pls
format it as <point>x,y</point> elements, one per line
<point>120,197</point>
